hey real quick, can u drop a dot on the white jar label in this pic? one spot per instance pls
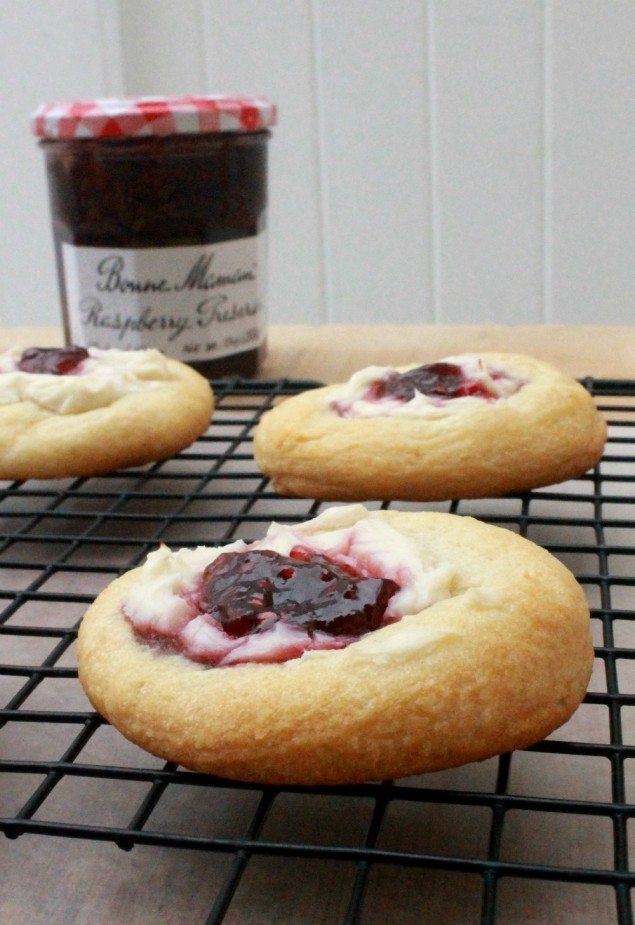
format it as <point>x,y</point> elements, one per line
<point>194,303</point>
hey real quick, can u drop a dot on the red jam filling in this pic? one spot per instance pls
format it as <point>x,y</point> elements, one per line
<point>56,361</point>
<point>438,380</point>
<point>249,592</point>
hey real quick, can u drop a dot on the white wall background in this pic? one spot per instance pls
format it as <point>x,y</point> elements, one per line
<point>448,160</point>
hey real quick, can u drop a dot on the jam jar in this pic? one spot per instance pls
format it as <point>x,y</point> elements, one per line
<point>159,223</point>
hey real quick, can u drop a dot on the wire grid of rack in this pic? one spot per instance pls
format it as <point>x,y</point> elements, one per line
<point>465,843</point>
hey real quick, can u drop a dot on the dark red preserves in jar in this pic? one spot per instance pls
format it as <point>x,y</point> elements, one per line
<point>159,221</point>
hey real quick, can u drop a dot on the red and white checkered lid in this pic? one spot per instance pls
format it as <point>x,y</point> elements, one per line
<point>153,115</point>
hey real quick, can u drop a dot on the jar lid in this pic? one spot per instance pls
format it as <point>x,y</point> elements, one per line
<point>153,115</point>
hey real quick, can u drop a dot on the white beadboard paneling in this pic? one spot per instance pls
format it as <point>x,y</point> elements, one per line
<point>49,51</point>
<point>270,52</point>
<point>593,161</point>
<point>162,47</point>
<point>488,120</point>
<point>375,144</point>
<point>450,160</point>
<point>108,26</point>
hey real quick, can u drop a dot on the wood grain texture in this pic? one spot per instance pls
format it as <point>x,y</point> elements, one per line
<point>308,352</point>
<point>58,881</point>
<point>330,353</point>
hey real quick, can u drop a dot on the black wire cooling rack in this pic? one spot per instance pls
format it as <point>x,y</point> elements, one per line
<point>547,828</point>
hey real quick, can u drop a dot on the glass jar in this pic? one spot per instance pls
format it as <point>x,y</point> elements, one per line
<point>159,222</point>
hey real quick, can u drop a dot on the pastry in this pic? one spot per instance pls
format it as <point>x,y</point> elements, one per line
<point>356,646</point>
<point>83,411</point>
<point>465,427</point>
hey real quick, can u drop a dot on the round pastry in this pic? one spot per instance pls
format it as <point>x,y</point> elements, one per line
<point>465,427</point>
<point>76,411</point>
<point>356,646</point>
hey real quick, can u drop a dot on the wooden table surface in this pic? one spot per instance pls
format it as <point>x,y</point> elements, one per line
<point>332,352</point>
<point>59,881</point>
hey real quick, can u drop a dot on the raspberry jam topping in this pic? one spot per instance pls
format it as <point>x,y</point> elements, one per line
<point>250,592</point>
<point>440,380</point>
<point>56,361</point>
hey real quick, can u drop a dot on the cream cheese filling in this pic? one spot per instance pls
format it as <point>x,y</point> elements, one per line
<point>158,601</point>
<point>100,380</point>
<point>350,397</point>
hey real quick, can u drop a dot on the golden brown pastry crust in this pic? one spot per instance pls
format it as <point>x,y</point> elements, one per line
<point>137,428</point>
<point>496,666</point>
<point>548,431</point>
